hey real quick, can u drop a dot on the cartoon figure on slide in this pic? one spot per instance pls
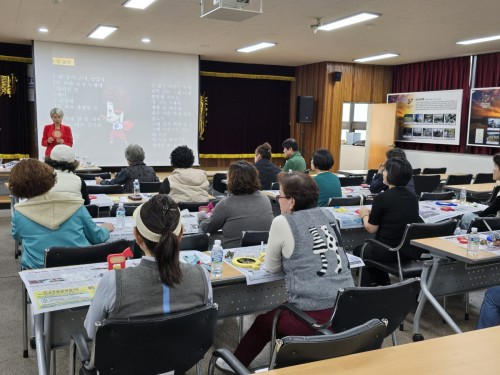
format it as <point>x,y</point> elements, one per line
<point>117,102</point>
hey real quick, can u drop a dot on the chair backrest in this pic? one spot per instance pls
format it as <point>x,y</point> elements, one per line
<point>275,186</point>
<point>69,256</point>
<point>416,171</point>
<point>441,196</point>
<point>254,237</point>
<point>92,176</point>
<point>434,170</point>
<point>105,189</point>
<point>483,178</point>
<point>482,224</point>
<point>198,241</point>
<point>356,305</point>
<point>344,201</point>
<point>154,345</point>
<point>295,350</point>
<point>217,183</point>
<point>458,179</point>
<point>93,210</point>
<point>351,180</point>
<point>369,176</point>
<point>129,210</point>
<point>149,187</point>
<point>191,206</point>
<point>417,231</point>
<point>426,183</point>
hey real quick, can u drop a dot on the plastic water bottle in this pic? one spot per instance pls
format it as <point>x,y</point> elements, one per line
<point>463,195</point>
<point>137,187</point>
<point>217,255</point>
<point>120,216</point>
<point>473,243</point>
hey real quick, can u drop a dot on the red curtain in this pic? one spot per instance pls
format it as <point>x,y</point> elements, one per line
<point>488,70</point>
<point>447,74</point>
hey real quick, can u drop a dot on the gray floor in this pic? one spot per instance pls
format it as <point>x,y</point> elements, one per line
<point>12,362</point>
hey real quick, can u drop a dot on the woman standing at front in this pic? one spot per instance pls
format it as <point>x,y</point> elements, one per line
<point>303,243</point>
<point>56,133</point>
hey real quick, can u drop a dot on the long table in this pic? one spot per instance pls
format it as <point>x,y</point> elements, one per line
<point>452,271</point>
<point>473,352</point>
<point>230,292</point>
<point>474,191</point>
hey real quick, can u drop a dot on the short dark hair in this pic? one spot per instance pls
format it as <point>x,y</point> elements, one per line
<point>31,178</point>
<point>290,143</point>
<point>182,157</point>
<point>62,165</point>
<point>264,150</point>
<point>161,215</point>
<point>243,178</point>
<point>496,160</point>
<point>300,187</point>
<point>399,171</point>
<point>323,159</point>
<point>395,153</point>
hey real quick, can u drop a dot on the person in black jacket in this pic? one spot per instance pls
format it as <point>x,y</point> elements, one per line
<point>493,207</point>
<point>377,185</point>
<point>268,172</point>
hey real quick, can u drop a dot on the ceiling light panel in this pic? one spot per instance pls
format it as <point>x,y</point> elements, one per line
<point>138,4</point>
<point>377,57</point>
<point>102,32</point>
<point>347,21</point>
<point>479,40</point>
<point>256,47</point>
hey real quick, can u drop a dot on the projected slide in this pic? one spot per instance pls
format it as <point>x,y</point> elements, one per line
<point>113,97</point>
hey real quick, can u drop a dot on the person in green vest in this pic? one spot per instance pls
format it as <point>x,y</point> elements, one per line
<point>295,161</point>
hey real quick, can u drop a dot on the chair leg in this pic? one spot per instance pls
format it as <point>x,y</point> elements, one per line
<point>52,362</point>
<point>444,307</point>
<point>466,305</point>
<point>394,341</point>
<point>72,357</point>
<point>25,321</point>
<point>198,368</point>
<point>240,328</point>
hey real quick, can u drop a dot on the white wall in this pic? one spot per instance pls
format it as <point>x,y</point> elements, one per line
<point>456,163</point>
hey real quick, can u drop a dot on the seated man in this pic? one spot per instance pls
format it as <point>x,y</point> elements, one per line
<point>136,170</point>
<point>295,161</point>
<point>377,185</point>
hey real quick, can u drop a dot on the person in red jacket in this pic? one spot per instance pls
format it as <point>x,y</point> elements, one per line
<point>56,133</point>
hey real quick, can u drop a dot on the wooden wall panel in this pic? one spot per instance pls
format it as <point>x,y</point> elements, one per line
<point>360,83</point>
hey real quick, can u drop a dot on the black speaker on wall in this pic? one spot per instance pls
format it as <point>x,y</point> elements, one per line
<point>304,109</point>
<point>337,76</point>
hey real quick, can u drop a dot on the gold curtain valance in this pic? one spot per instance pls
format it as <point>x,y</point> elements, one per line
<point>246,76</point>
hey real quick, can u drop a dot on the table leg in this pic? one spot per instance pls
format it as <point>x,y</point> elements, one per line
<point>40,345</point>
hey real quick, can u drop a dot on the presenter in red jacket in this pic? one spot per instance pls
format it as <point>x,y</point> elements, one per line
<point>56,133</point>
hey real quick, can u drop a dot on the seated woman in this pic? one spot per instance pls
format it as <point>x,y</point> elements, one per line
<point>245,208</point>
<point>48,218</point>
<point>494,206</point>
<point>328,183</point>
<point>302,243</point>
<point>62,159</point>
<point>160,284</point>
<point>391,211</point>
<point>377,185</point>
<point>136,170</point>
<point>268,172</point>
<point>186,183</point>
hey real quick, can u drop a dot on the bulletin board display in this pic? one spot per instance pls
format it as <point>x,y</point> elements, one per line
<point>484,117</point>
<point>428,116</point>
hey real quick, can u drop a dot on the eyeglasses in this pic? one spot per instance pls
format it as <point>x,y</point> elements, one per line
<point>278,197</point>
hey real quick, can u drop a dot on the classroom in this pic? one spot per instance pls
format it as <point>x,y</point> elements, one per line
<point>328,147</point>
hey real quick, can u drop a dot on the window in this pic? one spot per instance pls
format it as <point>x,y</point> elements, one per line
<point>354,118</point>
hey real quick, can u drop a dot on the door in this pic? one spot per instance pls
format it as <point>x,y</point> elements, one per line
<point>380,133</point>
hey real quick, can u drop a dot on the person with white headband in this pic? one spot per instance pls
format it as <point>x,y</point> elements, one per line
<point>160,284</point>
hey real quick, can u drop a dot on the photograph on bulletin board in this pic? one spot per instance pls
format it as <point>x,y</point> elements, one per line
<point>484,117</point>
<point>428,117</point>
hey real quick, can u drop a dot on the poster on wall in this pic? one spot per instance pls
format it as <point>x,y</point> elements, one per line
<point>484,117</point>
<point>428,116</point>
